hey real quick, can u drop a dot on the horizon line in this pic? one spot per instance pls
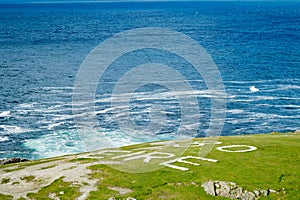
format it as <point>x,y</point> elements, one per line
<point>119,1</point>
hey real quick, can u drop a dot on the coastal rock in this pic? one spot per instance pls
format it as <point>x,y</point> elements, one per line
<point>236,193</point>
<point>264,192</point>
<point>209,188</point>
<point>256,192</point>
<point>232,191</point>
<point>271,191</point>
<point>120,190</point>
<point>248,196</point>
<point>223,189</point>
<point>12,160</point>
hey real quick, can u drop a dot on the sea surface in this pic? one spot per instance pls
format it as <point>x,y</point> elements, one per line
<point>256,47</point>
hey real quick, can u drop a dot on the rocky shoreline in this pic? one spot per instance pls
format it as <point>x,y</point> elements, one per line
<point>12,160</point>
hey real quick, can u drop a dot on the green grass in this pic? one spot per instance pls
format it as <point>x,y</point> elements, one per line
<point>5,197</point>
<point>275,165</point>
<point>70,191</point>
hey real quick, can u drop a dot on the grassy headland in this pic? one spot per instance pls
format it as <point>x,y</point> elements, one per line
<point>275,164</point>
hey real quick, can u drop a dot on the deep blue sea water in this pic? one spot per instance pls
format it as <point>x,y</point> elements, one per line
<point>43,45</point>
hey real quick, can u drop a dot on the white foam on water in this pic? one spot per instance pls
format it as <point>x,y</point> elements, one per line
<point>262,81</point>
<point>69,142</point>
<point>265,98</point>
<point>257,98</point>
<point>254,89</point>
<point>119,138</point>
<point>235,111</point>
<point>5,114</point>
<point>59,112</point>
<point>144,96</point>
<point>240,100</point>
<point>57,88</point>
<point>26,105</point>
<point>3,139</point>
<point>55,144</point>
<point>287,106</point>
<point>246,119</point>
<point>51,126</point>
<point>14,129</point>
<point>64,117</point>
<point>284,87</point>
<point>6,153</point>
<point>271,116</point>
<point>232,121</point>
<point>240,131</point>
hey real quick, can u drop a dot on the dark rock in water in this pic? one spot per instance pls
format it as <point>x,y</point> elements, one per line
<point>12,160</point>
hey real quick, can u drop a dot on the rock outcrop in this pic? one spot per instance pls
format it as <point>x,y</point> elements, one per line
<point>232,191</point>
<point>12,160</point>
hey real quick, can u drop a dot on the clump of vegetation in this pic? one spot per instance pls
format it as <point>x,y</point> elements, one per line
<point>63,190</point>
<point>28,178</point>
<point>13,169</point>
<point>5,180</point>
<point>47,167</point>
<point>83,160</point>
<point>5,197</point>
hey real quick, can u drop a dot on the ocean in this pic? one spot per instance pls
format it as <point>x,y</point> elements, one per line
<point>255,46</point>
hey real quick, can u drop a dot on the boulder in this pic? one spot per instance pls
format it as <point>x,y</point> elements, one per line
<point>209,188</point>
